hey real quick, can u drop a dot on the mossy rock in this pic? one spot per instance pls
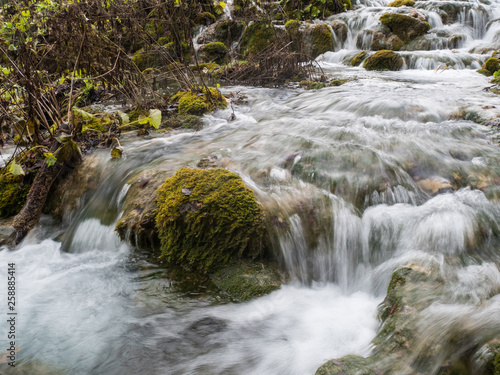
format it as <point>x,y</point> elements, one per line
<point>208,218</point>
<point>484,72</point>
<point>256,38</point>
<point>198,102</point>
<point>191,122</point>
<point>358,59</point>
<point>229,31</point>
<point>148,59</point>
<point>205,18</point>
<point>348,365</point>
<point>405,27</point>
<point>214,52</point>
<point>401,3</point>
<point>319,39</point>
<point>13,195</point>
<point>492,64</point>
<point>383,60</point>
<point>244,280</point>
<point>296,34</point>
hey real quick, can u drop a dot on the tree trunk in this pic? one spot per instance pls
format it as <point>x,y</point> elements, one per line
<point>30,214</point>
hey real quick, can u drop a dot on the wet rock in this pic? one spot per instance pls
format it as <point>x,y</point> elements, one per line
<point>340,29</point>
<point>227,223</point>
<point>256,38</point>
<point>68,195</point>
<point>137,224</point>
<point>383,60</point>
<point>211,161</point>
<point>318,39</point>
<point>405,27</point>
<point>214,52</point>
<point>376,41</point>
<point>435,185</point>
<point>358,59</point>
<point>401,3</point>
<point>245,280</point>
<point>6,232</point>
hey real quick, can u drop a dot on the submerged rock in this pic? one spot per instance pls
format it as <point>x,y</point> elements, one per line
<point>244,280</point>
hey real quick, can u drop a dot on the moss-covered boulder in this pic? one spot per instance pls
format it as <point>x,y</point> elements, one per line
<point>405,27</point>
<point>256,38</point>
<point>214,52</point>
<point>310,9</point>
<point>13,195</point>
<point>484,72</point>
<point>200,101</point>
<point>401,3</point>
<point>348,365</point>
<point>207,218</point>
<point>384,60</point>
<point>205,18</point>
<point>358,59</point>
<point>318,40</point>
<point>492,64</point>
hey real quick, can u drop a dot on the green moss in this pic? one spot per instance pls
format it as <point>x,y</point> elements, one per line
<point>497,365</point>
<point>345,4</point>
<point>216,51</point>
<point>244,280</point>
<point>315,85</point>
<point>191,122</point>
<point>210,66</point>
<point>358,59</point>
<point>206,218</point>
<point>322,39</point>
<point>257,37</point>
<point>292,25</point>
<point>198,102</point>
<point>492,64</point>
<point>229,31</point>
<point>348,365</point>
<point>383,60</point>
<point>401,3</point>
<point>205,18</point>
<point>405,27</point>
<point>484,72</point>
<point>13,195</point>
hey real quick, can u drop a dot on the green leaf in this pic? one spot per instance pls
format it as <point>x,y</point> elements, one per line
<point>218,85</point>
<point>307,8</point>
<point>116,152</point>
<point>16,169</point>
<point>177,3</point>
<point>155,118</point>
<point>50,159</point>
<point>143,120</point>
<point>222,4</point>
<point>12,47</point>
<point>124,117</point>
<point>84,115</point>
<point>314,12</point>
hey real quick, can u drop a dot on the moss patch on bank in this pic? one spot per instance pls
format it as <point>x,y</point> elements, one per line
<point>200,101</point>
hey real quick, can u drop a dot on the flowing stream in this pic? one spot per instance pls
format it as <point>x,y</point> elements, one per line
<point>386,170</point>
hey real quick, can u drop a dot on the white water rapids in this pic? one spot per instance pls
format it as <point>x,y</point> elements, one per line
<point>362,158</point>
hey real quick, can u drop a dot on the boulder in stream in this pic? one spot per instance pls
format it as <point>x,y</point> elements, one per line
<point>383,60</point>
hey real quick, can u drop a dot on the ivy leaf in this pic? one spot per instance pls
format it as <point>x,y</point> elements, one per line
<point>50,159</point>
<point>155,118</point>
<point>16,169</point>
